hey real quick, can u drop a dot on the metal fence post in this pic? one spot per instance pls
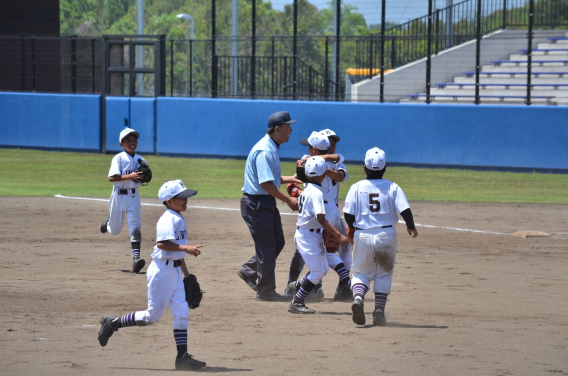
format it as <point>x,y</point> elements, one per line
<point>326,65</point>
<point>337,44</point>
<point>213,53</point>
<point>93,63</point>
<point>295,51</point>
<point>74,64</point>
<point>370,57</point>
<point>33,65</point>
<point>171,68</point>
<point>253,51</point>
<point>272,78</point>
<point>477,51</point>
<point>383,28</point>
<point>504,14</point>
<point>191,69</point>
<point>429,52</point>
<point>23,61</point>
<point>529,52</point>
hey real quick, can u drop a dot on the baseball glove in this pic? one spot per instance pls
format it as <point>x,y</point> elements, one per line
<point>145,170</point>
<point>193,293</point>
<point>330,242</point>
<point>294,190</point>
<point>301,170</point>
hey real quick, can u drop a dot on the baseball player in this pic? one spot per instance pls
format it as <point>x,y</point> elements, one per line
<point>308,236</point>
<point>370,210</point>
<point>323,144</point>
<point>125,198</point>
<point>164,275</point>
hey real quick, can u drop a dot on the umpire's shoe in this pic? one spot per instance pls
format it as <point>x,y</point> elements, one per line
<point>300,308</point>
<point>137,265</point>
<point>358,311</point>
<point>104,225</point>
<point>189,362</point>
<point>250,283</point>
<point>379,318</point>
<point>106,330</point>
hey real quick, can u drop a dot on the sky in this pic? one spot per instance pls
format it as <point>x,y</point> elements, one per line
<point>397,11</point>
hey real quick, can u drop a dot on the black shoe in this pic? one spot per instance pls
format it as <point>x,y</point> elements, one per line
<point>272,297</point>
<point>343,293</point>
<point>300,308</point>
<point>104,225</point>
<point>379,318</point>
<point>250,283</point>
<point>189,362</point>
<point>358,312</point>
<point>316,295</point>
<point>106,330</point>
<point>137,265</point>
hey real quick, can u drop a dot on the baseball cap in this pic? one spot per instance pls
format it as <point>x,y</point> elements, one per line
<point>280,117</point>
<point>318,140</point>
<point>331,134</point>
<point>315,166</point>
<point>125,132</point>
<point>375,159</point>
<point>174,188</point>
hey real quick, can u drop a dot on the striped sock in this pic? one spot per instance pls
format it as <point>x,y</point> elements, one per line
<point>135,254</point>
<point>380,301</point>
<point>359,291</point>
<point>180,336</point>
<point>343,273</point>
<point>303,291</point>
<point>124,321</point>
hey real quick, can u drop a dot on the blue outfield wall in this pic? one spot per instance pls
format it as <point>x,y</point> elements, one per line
<point>51,121</point>
<point>136,113</point>
<point>509,137</point>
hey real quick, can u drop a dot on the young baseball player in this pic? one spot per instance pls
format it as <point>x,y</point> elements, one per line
<point>125,198</point>
<point>370,210</point>
<point>323,144</point>
<point>308,237</point>
<point>164,275</point>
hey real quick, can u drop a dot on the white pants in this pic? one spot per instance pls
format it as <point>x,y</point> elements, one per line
<point>374,255</point>
<point>310,246</point>
<point>344,255</point>
<point>165,288</point>
<point>119,205</point>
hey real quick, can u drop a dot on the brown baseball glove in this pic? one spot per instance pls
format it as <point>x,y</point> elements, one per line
<point>294,190</point>
<point>330,242</point>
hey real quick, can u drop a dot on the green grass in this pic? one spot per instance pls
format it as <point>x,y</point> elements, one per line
<point>41,173</point>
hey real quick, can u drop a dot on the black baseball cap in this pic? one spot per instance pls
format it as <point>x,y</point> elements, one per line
<point>280,117</point>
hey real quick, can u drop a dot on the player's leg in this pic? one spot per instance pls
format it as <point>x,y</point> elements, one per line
<point>134,218</point>
<point>345,250</point>
<point>116,217</point>
<point>363,272</point>
<point>342,291</point>
<point>296,267</point>
<point>385,245</point>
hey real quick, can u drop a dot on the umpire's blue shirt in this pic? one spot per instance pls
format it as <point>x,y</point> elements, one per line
<point>263,164</point>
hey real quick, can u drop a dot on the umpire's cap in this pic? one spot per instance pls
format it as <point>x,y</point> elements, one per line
<point>279,118</point>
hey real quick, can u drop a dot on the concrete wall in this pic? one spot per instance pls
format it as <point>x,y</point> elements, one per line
<point>411,78</point>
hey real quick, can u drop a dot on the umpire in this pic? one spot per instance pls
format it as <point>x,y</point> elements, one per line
<point>258,207</point>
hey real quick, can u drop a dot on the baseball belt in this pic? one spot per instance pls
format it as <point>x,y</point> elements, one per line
<point>125,191</point>
<point>360,229</point>
<point>177,263</point>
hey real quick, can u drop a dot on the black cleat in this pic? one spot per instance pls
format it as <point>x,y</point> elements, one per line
<point>300,308</point>
<point>189,362</point>
<point>343,293</point>
<point>104,225</point>
<point>358,312</point>
<point>137,265</point>
<point>379,318</point>
<point>106,330</point>
<point>250,283</point>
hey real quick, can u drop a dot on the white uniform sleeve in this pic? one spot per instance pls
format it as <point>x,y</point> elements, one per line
<point>318,204</point>
<point>114,167</point>
<point>165,229</point>
<point>341,159</point>
<point>400,200</point>
<point>341,167</point>
<point>350,204</point>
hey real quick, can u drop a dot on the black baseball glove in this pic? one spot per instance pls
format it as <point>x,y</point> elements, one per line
<point>193,293</point>
<point>145,170</point>
<point>301,170</point>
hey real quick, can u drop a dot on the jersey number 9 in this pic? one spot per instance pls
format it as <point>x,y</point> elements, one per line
<point>301,200</point>
<point>374,204</point>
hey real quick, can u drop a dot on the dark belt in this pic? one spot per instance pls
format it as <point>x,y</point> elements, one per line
<point>316,230</point>
<point>381,227</point>
<point>126,191</point>
<point>177,263</point>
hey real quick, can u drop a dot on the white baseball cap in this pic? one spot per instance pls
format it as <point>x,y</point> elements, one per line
<point>331,134</point>
<point>375,159</point>
<point>174,188</point>
<point>315,166</point>
<point>318,140</point>
<point>125,132</point>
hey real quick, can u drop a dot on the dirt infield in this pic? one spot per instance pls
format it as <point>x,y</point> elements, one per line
<point>463,303</point>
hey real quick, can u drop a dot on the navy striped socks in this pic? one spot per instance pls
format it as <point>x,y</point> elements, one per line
<point>380,301</point>
<point>180,336</point>
<point>304,288</point>
<point>135,250</point>
<point>124,321</point>
<point>359,291</point>
<point>343,274</point>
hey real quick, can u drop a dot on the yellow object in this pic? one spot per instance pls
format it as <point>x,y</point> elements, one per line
<point>364,71</point>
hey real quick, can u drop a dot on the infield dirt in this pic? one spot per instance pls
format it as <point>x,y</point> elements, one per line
<point>463,303</point>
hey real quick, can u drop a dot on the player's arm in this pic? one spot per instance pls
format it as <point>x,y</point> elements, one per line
<point>409,219</point>
<point>290,179</point>
<point>167,245</point>
<point>184,269</point>
<point>136,176</point>
<point>338,176</point>
<point>275,192</point>
<point>332,230</point>
<point>334,158</point>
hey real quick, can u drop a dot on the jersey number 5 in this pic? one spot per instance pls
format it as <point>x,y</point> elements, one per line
<point>301,200</point>
<point>374,204</point>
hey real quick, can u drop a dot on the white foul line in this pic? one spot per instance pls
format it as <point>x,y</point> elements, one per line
<point>232,209</point>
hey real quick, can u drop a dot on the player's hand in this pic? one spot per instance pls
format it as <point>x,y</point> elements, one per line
<point>136,176</point>
<point>292,203</point>
<point>194,250</point>
<point>351,235</point>
<point>343,240</point>
<point>413,233</point>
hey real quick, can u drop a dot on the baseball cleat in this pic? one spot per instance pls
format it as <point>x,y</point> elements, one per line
<point>104,225</point>
<point>106,330</point>
<point>288,292</point>
<point>358,312</point>
<point>292,288</point>
<point>343,294</point>
<point>315,296</point>
<point>300,308</point>
<point>189,362</point>
<point>137,265</point>
<point>250,283</point>
<point>379,318</point>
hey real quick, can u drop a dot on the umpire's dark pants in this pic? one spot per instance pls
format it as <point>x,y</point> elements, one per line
<point>263,219</point>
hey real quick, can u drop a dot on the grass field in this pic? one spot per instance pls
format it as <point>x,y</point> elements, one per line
<point>42,173</point>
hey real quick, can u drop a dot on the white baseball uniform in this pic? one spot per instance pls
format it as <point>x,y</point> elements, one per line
<point>308,237</point>
<point>125,198</point>
<point>165,279</point>
<point>375,204</point>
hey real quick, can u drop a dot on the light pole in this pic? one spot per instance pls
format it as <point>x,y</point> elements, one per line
<point>186,16</point>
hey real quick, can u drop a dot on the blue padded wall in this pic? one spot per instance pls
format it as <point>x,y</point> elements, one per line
<point>135,113</point>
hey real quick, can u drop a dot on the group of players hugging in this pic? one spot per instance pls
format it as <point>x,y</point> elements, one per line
<point>365,245</point>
